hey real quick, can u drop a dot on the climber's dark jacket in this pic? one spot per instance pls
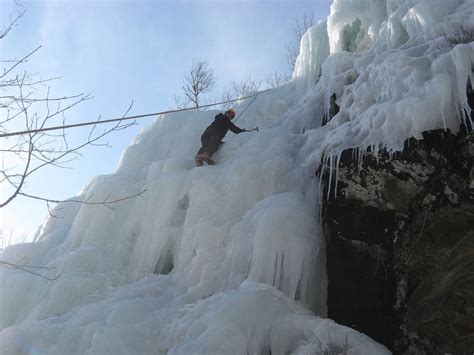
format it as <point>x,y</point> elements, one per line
<point>221,126</point>
<point>212,136</point>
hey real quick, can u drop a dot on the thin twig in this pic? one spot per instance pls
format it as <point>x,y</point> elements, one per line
<point>4,31</point>
<point>19,62</point>
<point>25,269</point>
<point>104,202</point>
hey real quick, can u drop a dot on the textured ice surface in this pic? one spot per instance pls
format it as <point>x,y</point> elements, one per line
<point>218,259</point>
<point>230,259</point>
<point>314,50</point>
<point>398,68</point>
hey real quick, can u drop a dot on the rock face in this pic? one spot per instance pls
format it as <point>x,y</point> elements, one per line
<point>400,244</point>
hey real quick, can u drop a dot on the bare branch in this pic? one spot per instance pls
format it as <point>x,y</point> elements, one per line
<point>240,89</point>
<point>26,101</point>
<point>277,79</point>
<point>46,99</point>
<point>22,181</point>
<point>199,81</point>
<point>105,202</point>
<point>4,31</point>
<point>19,62</point>
<point>25,268</point>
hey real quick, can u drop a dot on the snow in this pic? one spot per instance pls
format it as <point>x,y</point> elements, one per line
<point>231,258</point>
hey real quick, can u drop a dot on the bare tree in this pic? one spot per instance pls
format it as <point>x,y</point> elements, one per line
<point>26,105</point>
<point>277,79</point>
<point>179,102</point>
<point>301,24</point>
<point>245,87</point>
<point>239,89</point>
<point>226,96</point>
<point>199,82</point>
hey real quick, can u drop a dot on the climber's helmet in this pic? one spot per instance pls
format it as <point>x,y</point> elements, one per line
<point>230,113</point>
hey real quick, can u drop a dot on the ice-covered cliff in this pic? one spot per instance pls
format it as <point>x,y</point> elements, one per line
<point>231,258</point>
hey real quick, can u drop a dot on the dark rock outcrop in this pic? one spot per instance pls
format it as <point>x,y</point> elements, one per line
<point>400,244</point>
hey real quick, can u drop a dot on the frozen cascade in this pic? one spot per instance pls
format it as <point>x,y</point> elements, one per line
<point>222,259</point>
<point>314,50</point>
<point>230,259</point>
<point>406,73</point>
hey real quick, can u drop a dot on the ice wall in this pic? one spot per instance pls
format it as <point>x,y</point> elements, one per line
<point>314,50</point>
<point>230,258</point>
<point>353,25</point>
<point>398,68</point>
<point>210,260</point>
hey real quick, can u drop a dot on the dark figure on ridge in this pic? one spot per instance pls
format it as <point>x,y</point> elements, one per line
<point>211,139</point>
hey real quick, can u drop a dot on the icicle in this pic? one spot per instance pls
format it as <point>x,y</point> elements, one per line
<point>330,158</point>
<point>338,159</point>
<point>275,271</point>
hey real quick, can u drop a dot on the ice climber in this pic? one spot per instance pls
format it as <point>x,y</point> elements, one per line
<point>211,139</point>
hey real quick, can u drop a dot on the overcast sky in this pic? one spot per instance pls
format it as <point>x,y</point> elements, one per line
<point>120,51</point>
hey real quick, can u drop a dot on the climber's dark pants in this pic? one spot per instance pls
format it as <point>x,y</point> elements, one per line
<point>210,144</point>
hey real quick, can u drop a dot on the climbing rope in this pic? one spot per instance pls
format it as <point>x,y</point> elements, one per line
<point>93,123</point>
<point>246,107</point>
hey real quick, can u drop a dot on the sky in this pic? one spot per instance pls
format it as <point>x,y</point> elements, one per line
<point>135,51</point>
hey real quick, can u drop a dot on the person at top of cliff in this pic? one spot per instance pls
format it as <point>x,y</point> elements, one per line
<point>211,139</point>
